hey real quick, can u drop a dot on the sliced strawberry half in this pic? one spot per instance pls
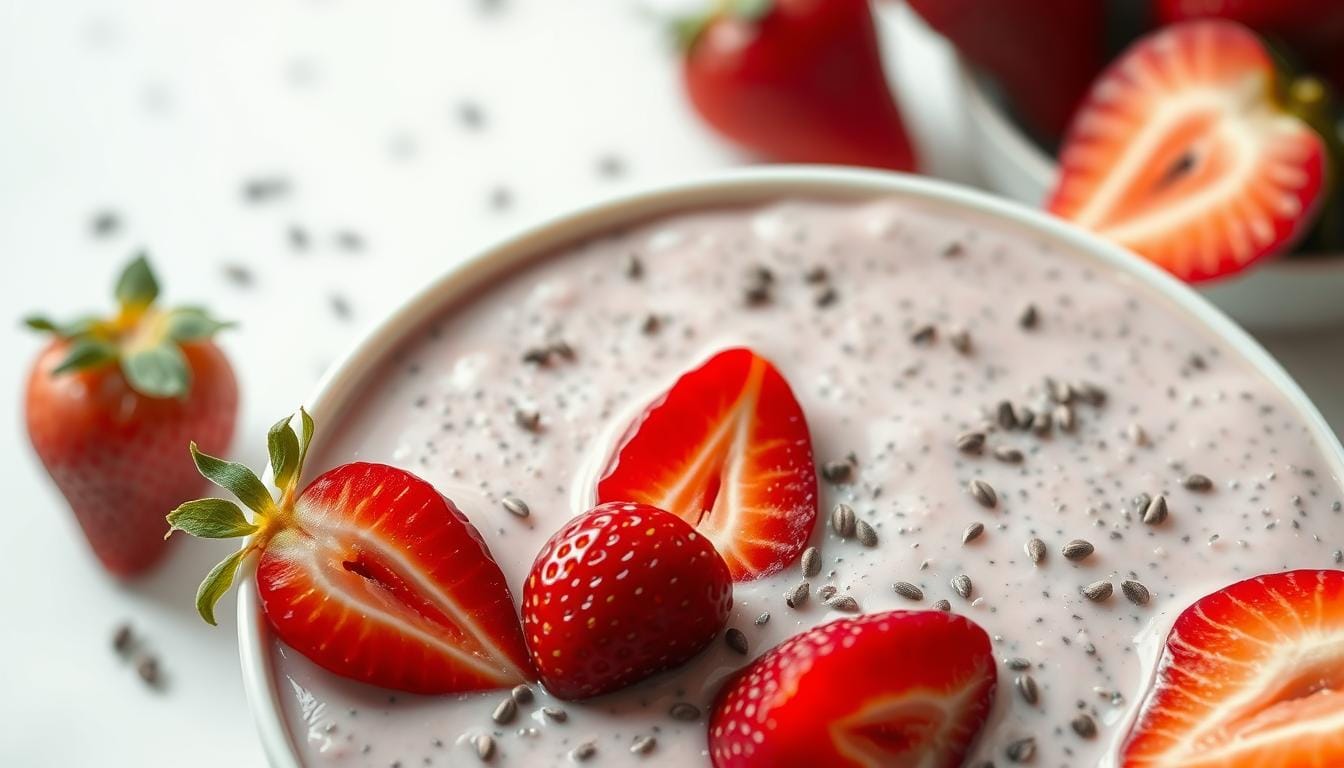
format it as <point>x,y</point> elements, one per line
<point>727,450</point>
<point>369,572</point>
<point>1252,676</point>
<point>847,695</point>
<point>1181,154</point>
<point>383,579</point>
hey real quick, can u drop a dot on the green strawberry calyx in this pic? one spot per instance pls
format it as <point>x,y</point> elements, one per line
<point>143,339</point>
<point>686,30</point>
<point>287,447</point>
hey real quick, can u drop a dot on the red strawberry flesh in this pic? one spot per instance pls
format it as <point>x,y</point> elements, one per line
<point>726,449</point>
<point>1252,676</point>
<point>620,593</point>
<point>1181,154</point>
<point>380,578</point>
<point>848,695</point>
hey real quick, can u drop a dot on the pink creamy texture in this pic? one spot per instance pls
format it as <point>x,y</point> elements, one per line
<point>1177,401</point>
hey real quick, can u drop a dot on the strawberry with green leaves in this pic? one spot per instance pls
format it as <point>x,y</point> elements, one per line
<point>109,404</point>
<point>368,571</point>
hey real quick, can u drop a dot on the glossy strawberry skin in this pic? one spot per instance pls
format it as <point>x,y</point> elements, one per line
<point>1044,53</point>
<point>380,578</point>
<point>117,456</point>
<point>622,592</point>
<point>902,688</point>
<point>801,83</point>
<point>1251,676</point>
<point>727,449</point>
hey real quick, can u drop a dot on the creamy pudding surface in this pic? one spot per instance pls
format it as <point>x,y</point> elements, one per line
<point>906,330</point>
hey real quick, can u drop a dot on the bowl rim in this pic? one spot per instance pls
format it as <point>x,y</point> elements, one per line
<point>1004,134</point>
<point>739,187</point>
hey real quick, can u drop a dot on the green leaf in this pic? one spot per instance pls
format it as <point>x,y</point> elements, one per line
<point>86,353</point>
<point>216,583</point>
<point>686,30</point>
<point>210,519</point>
<point>192,324</point>
<point>751,10</point>
<point>65,330</point>
<point>305,438</point>
<point>283,445</point>
<point>307,421</point>
<point>41,323</point>
<point>157,371</point>
<point>234,478</point>
<point>137,287</point>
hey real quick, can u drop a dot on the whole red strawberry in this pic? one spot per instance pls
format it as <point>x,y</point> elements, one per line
<point>109,405</point>
<point>620,593</point>
<point>902,688</point>
<point>368,571</point>
<point>797,81</point>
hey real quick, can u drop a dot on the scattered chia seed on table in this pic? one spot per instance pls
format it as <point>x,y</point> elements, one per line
<point>238,275</point>
<point>340,307</point>
<point>105,224</point>
<point>500,199</point>
<point>265,189</point>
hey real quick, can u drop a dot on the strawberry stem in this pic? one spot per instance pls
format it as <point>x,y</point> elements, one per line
<point>687,29</point>
<point>143,339</point>
<point>222,519</point>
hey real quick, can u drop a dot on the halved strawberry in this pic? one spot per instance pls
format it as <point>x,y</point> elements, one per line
<point>1181,154</point>
<point>727,450</point>
<point>620,593</point>
<point>902,688</point>
<point>370,572</point>
<point>1252,676</point>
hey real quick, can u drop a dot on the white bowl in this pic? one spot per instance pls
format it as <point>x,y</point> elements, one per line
<point>739,188</point>
<point>1284,294</point>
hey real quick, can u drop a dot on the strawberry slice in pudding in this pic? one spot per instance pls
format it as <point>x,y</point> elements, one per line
<point>369,572</point>
<point>382,579</point>
<point>902,688</point>
<point>1182,154</point>
<point>1252,676</point>
<point>726,449</point>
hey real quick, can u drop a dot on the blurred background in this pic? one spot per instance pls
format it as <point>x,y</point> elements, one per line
<point>303,166</point>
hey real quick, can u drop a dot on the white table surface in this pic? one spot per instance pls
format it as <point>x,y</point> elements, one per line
<point>160,110</point>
